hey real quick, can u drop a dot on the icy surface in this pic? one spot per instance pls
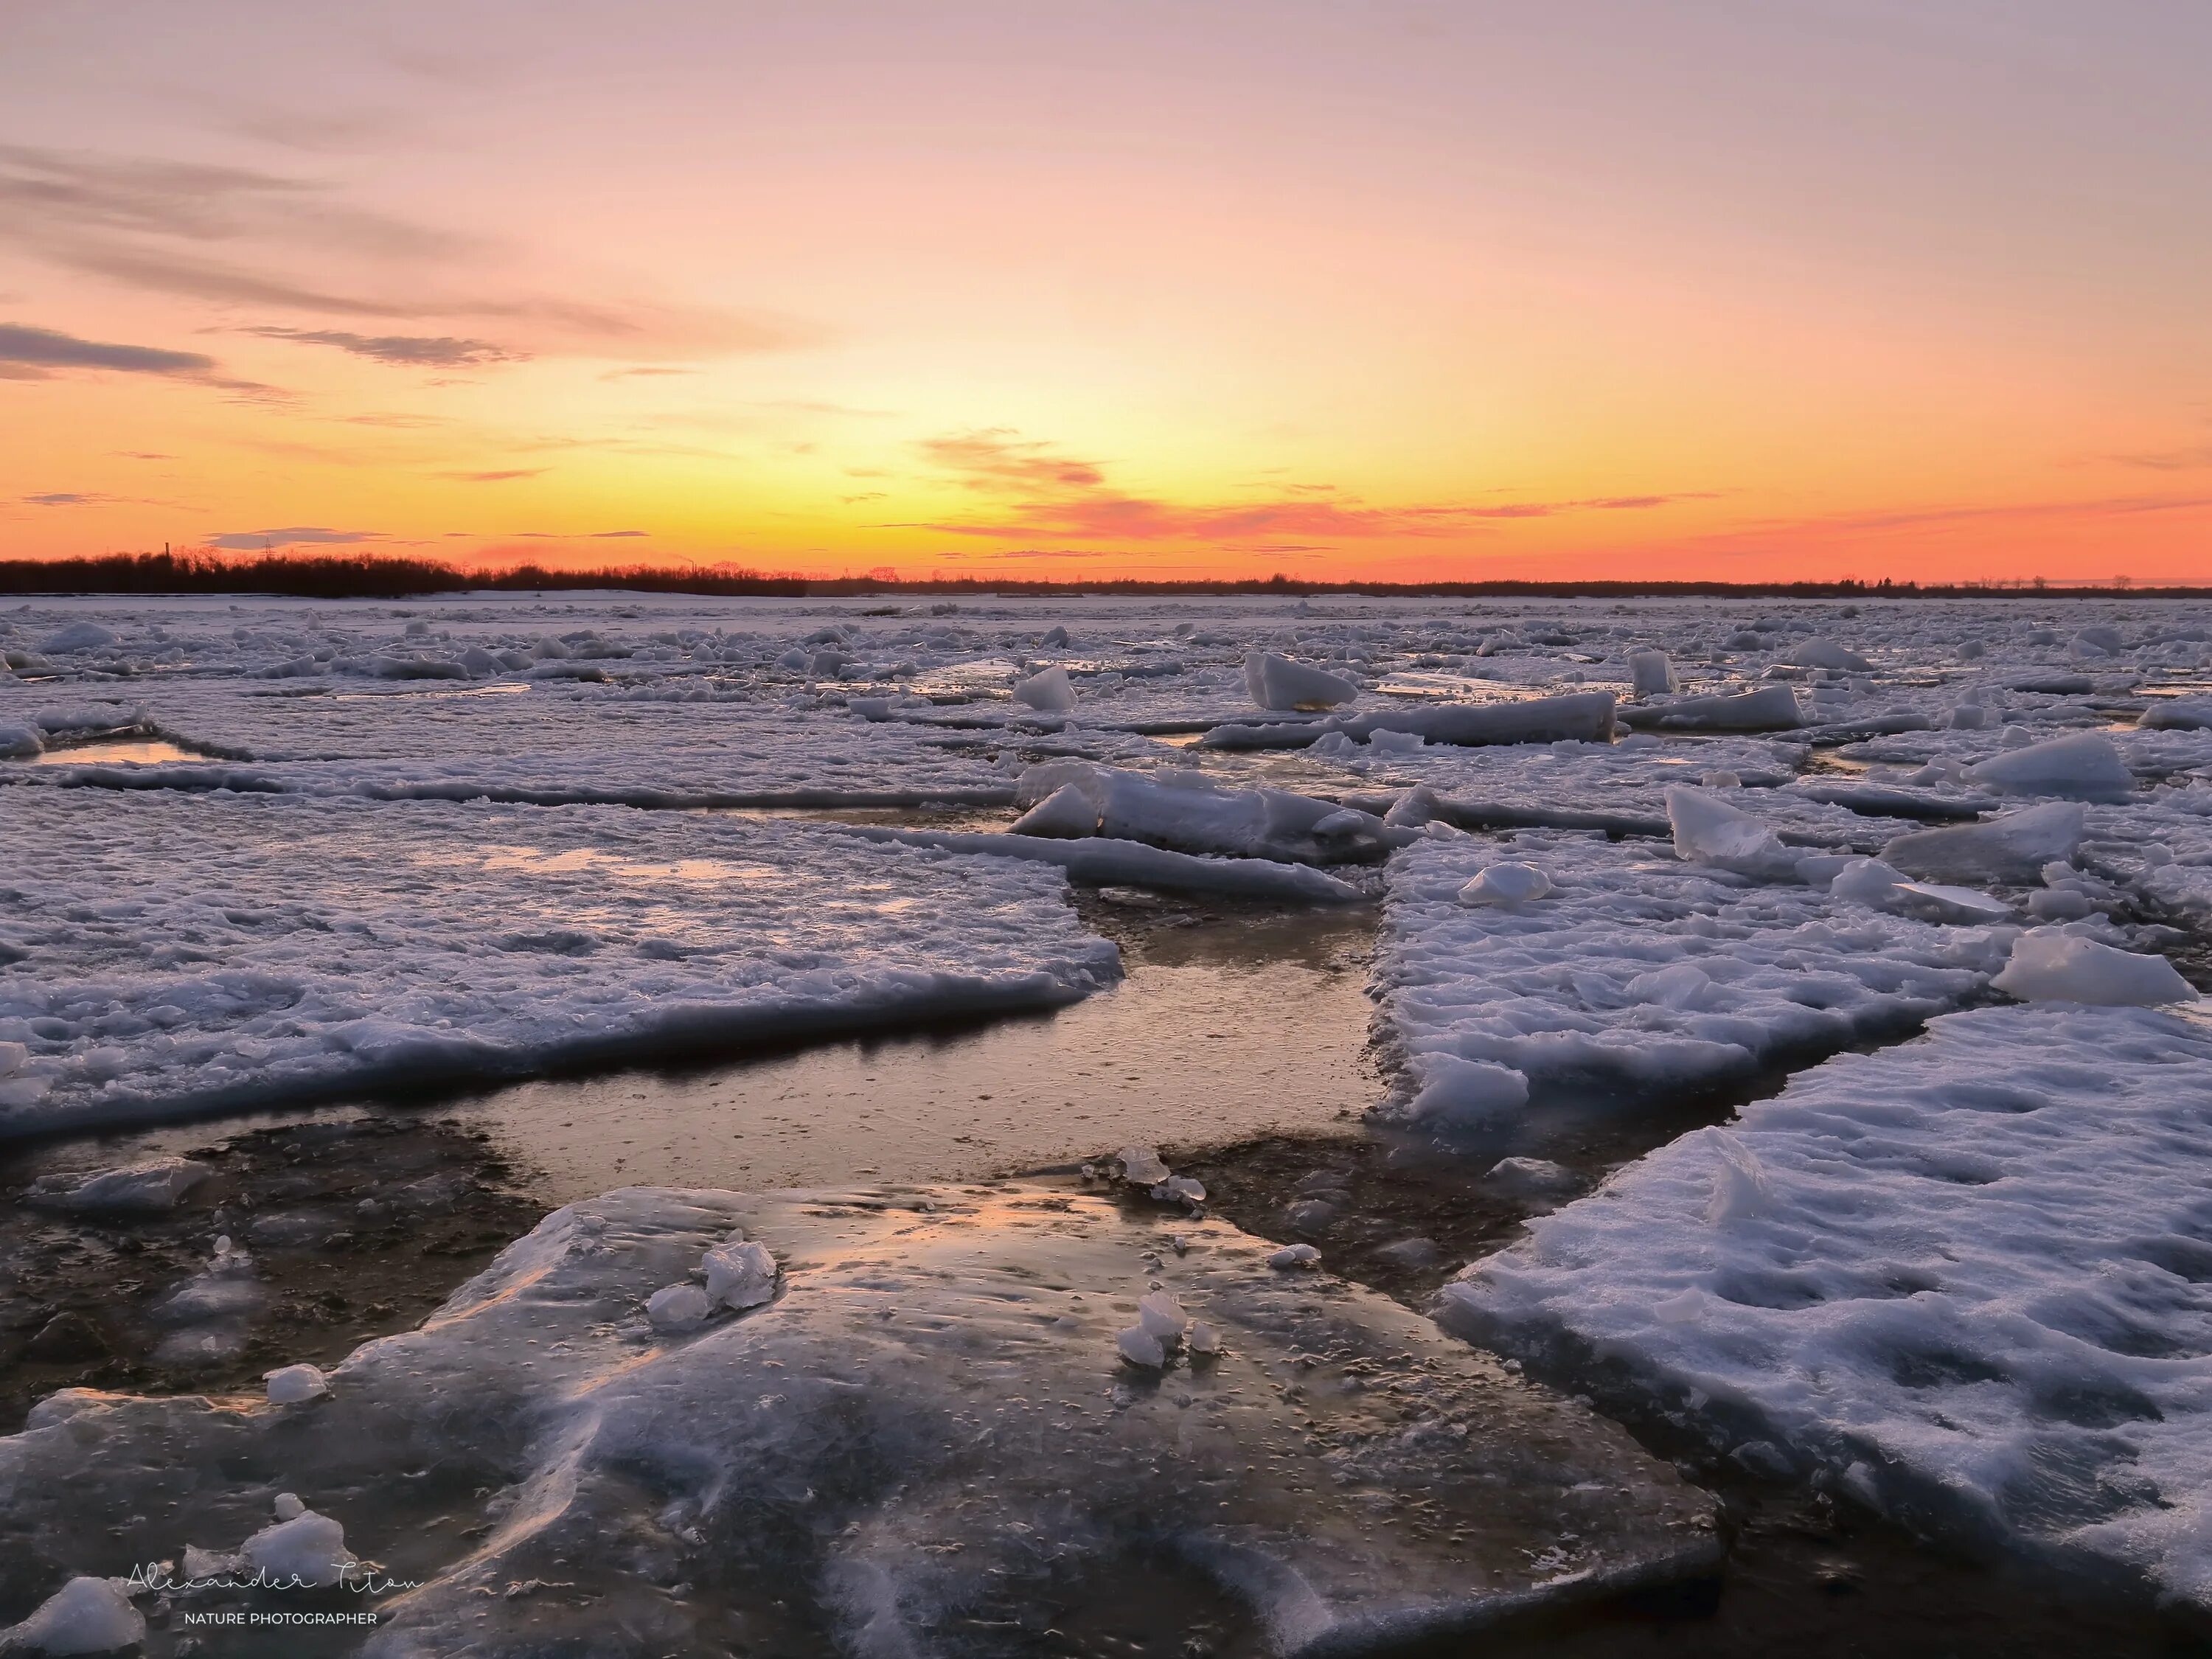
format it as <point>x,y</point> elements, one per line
<point>927,1435</point>
<point>180,954</point>
<point>1638,971</point>
<point>1965,1278</point>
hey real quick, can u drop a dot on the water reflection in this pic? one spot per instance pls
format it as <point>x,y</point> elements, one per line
<point>1225,1028</point>
<point>134,752</point>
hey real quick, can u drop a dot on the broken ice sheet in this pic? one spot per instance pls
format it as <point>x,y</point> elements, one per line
<point>1965,1279</point>
<point>927,1443</point>
<point>1638,970</point>
<point>166,954</point>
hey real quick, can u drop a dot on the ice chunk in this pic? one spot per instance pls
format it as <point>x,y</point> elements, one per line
<point>1179,1190</point>
<point>1055,638</point>
<point>2177,713</point>
<point>306,1548</point>
<point>146,1189</point>
<point>1050,690</point>
<point>2048,965</point>
<point>1189,811</point>
<point>2099,641</point>
<point>1770,708</point>
<point>1203,1339</point>
<point>740,1274</point>
<point>1681,985</point>
<point>1067,811</point>
<point>2011,848</point>
<point>1686,1309</point>
<point>292,1384</point>
<point>20,743</point>
<point>1575,717</point>
<point>1741,1191</point>
<point>290,1506</point>
<point>86,1615</point>
<point>1276,681</point>
<point>1141,1166</point>
<point>1819,652</point>
<point>78,636</point>
<point>1651,673</point>
<point>1160,1312</point>
<point>1132,863</point>
<point>200,1564</point>
<point>480,663</point>
<point>675,1308</point>
<point>2060,904</point>
<point>1708,830</point>
<point>1961,906</point>
<point>1292,1256</point>
<point>1413,808</point>
<point>2081,766</point>
<point>1866,881</point>
<point>1141,1347</point>
<point>1456,1092</point>
<point>1509,882</point>
<point>1532,1177</point>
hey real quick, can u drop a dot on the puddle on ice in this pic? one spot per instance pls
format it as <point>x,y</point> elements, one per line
<point>1243,1025</point>
<point>129,752</point>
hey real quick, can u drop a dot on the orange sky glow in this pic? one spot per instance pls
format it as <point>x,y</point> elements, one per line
<point>1400,291</point>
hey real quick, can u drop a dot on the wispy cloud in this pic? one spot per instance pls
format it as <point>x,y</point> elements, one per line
<point>409,351</point>
<point>297,535</point>
<point>44,350</point>
<point>2170,461</point>
<point>66,498</point>
<point>1048,496</point>
<point>232,235</point>
<point>580,536</point>
<point>505,476</point>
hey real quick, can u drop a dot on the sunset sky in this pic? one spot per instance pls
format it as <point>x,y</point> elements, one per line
<point>1587,288</point>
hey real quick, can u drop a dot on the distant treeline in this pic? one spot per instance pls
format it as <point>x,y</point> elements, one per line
<point>330,576</point>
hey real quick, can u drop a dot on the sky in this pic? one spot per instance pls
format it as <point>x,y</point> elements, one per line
<point>1748,289</point>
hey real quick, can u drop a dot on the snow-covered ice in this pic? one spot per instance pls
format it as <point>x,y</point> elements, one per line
<point>1642,973</point>
<point>171,954</point>
<point>1963,1278</point>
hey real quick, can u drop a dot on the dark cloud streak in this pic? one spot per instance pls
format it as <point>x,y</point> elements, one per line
<point>44,350</point>
<point>407,350</point>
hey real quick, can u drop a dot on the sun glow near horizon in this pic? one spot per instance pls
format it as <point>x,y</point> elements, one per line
<point>1405,292</point>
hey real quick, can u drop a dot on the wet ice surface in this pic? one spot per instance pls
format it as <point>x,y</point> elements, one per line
<point>926,1443</point>
<point>343,1225</point>
<point>430,810</point>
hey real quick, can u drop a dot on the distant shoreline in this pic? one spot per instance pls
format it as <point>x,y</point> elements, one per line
<point>325,577</point>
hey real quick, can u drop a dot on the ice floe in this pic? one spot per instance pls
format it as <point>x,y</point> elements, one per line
<point>169,955</point>
<point>1962,1280</point>
<point>1638,971</point>
<point>963,1404</point>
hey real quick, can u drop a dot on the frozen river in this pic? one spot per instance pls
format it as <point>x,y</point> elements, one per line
<point>1758,1022</point>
